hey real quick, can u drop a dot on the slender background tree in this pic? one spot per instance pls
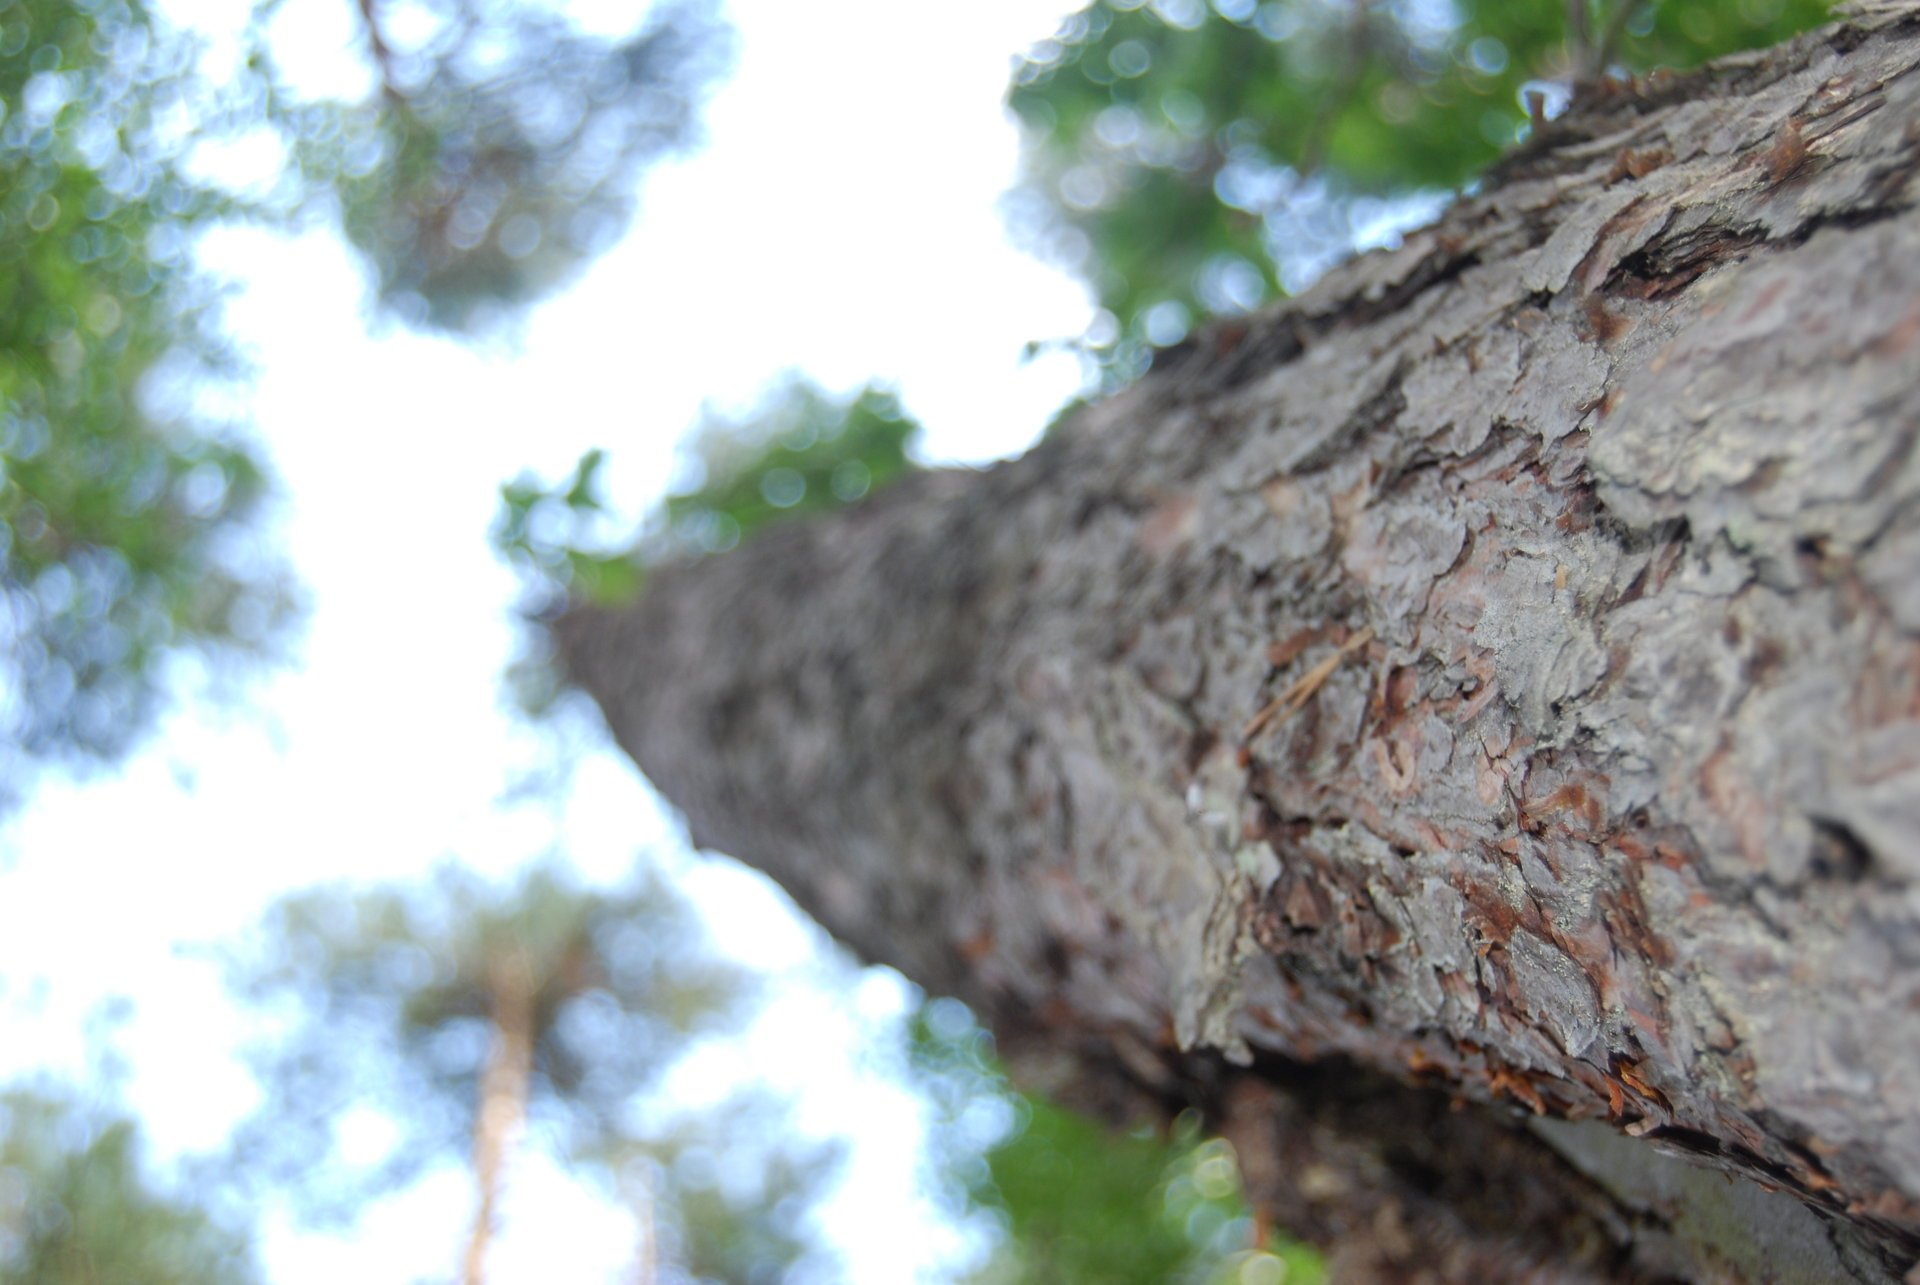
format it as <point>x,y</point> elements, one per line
<point>461,1013</point>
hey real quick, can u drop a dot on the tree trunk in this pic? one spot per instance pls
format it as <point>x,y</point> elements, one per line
<point>1490,678</point>
<point>502,1105</point>
<point>646,1245</point>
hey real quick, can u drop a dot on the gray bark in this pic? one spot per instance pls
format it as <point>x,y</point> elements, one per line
<point>1574,549</point>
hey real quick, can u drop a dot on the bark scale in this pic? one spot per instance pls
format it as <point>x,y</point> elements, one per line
<point>1491,677</point>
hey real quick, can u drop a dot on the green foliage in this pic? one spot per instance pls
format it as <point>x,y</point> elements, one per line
<point>544,532</point>
<point>1076,1201</point>
<point>1187,155</point>
<point>731,1190</point>
<point>123,503</point>
<point>387,1003</point>
<point>503,149</point>
<point>1084,1204</point>
<point>498,151</point>
<point>803,451</point>
<point>76,1210</point>
<point>387,997</point>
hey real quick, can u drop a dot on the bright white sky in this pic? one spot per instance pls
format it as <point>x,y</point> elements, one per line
<point>842,221</point>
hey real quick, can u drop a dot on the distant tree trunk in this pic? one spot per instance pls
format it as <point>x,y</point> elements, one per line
<point>502,1105</point>
<point>1490,678</point>
<point>646,1248</point>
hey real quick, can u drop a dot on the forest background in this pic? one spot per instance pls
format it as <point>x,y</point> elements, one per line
<point>336,341</point>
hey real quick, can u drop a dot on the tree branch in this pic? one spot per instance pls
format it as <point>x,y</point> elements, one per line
<point>1611,818</point>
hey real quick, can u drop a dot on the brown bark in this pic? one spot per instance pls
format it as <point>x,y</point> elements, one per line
<point>638,1187</point>
<point>505,1081</point>
<point>1569,555</point>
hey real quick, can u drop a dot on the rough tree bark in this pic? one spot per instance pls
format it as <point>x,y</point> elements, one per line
<point>1492,677</point>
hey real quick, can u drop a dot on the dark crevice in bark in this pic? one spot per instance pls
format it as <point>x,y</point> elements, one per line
<point>1666,267</point>
<point>1442,1194</point>
<point>1228,354</point>
<point>1838,852</point>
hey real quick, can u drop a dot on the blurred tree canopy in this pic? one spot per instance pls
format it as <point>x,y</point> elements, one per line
<point>406,1000</point>
<point>462,1015</point>
<point>120,492</point>
<point>1074,1201</point>
<point>801,450</point>
<point>503,146</point>
<point>731,1192</point>
<point>494,150</point>
<point>1083,1204</point>
<point>1194,158</point>
<point>75,1208</point>
<point>554,537</point>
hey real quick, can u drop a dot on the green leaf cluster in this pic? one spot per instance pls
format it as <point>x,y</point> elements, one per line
<point>733,1191</point>
<point>1186,155</point>
<point>545,533</point>
<point>391,1001</point>
<point>504,147</point>
<point>75,1208</point>
<point>1076,1201</point>
<point>497,150</point>
<point>1085,1204</point>
<point>384,999</point>
<point>801,451</point>
<point>123,499</point>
